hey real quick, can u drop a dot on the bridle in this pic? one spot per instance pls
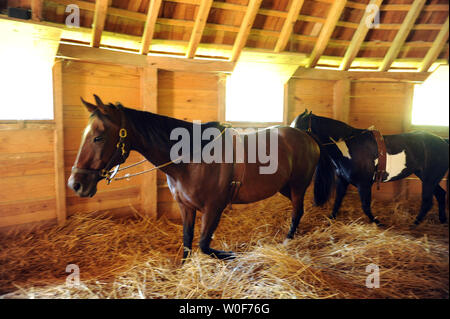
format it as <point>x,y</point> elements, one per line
<point>120,154</point>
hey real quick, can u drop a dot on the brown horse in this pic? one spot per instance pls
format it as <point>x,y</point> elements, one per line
<point>113,131</point>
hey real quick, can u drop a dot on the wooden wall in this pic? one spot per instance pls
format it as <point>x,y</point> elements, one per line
<point>111,84</point>
<point>187,96</point>
<point>27,176</point>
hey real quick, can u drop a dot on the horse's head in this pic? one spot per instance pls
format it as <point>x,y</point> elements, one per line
<point>303,121</point>
<point>102,147</point>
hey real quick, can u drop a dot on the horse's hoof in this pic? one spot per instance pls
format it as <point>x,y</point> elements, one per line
<point>332,217</point>
<point>222,255</point>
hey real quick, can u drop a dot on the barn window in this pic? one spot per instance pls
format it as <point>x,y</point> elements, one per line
<point>26,58</point>
<point>254,94</point>
<point>430,104</point>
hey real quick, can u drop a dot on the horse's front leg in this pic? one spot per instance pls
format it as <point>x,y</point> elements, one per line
<point>188,217</point>
<point>210,220</point>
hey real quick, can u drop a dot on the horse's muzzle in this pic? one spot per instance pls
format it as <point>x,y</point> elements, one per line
<point>81,188</point>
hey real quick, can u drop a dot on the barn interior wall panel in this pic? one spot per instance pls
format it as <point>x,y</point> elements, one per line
<point>27,176</point>
<point>112,84</point>
<point>187,96</point>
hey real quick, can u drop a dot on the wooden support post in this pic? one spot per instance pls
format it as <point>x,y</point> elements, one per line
<point>199,26</point>
<point>36,9</point>
<point>436,49</point>
<point>341,100</point>
<point>402,34</point>
<point>101,7</point>
<point>149,28</point>
<point>58,149</point>
<point>294,11</point>
<point>221,95</point>
<point>287,102</point>
<point>244,30</point>
<point>149,95</point>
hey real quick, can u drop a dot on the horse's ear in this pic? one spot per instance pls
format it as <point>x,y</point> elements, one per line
<point>100,104</point>
<point>310,113</point>
<point>90,107</point>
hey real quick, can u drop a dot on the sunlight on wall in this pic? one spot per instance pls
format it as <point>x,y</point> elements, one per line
<point>430,103</point>
<point>27,54</point>
<point>254,94</point>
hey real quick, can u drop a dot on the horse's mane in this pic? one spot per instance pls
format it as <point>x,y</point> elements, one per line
<point>335,128</point>
<point>156,128</point>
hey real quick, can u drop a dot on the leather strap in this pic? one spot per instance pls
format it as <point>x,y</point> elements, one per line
<point>381,168</point>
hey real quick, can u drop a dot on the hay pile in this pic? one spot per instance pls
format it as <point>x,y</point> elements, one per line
<point>140,257</point>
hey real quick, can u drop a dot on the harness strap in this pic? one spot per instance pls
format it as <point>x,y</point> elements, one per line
<point>381,167</point>
<point>236,181</point>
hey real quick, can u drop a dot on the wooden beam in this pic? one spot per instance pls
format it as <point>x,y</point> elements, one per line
<point>333,17</point>
<point>288,26</point>
<point>149,28</point>
<point>341,100</point>
<point>335,75</point>
<point>244,30</point>
<point>101,7</point>
<point>199,26</point>
<point>436,49</point>
<point>58,148</point>
<point>104,56</point>
<point>358,38</point>
<point>402,34</point>
<point>149,96</point>
<point>221,97</point>
<point>36,9</point>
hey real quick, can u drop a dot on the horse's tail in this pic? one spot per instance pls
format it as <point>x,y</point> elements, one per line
<point>325,178</point>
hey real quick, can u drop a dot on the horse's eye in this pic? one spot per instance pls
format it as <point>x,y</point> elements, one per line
<point>98,138</point>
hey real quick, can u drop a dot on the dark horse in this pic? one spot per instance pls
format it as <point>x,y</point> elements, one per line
<point>354,154</point>
<point>113,131</point>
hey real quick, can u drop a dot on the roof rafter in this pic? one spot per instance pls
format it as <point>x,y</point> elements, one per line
<point>288,26</point>
<point>245,29</point>
<point>199,26</point>
<point>358,37</point>
<point>437,47</point>
<point>402,34</point>
<point>101,7</point>
<point>333,17</point>
<point>149,28</point>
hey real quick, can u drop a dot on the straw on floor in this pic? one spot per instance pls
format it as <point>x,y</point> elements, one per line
<point>141,257</point>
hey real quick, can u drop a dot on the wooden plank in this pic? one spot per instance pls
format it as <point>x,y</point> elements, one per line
<point>19,141</point>
<point>341,100</point>
<point>377,89</point>
<point>101,7</point>
<point>60,181</point>
<point>96,55</point>
<point>199,26</point>
<point>358,38</point>
<point>436,49</point>
<point>26,218</point>
<point>244,30</point>
<point>36,9</point>
<point>149,28</point>
<point>26,164</point>
<point>149,95</point>
<point>323,74</point>
<point>325,34</point>
<point>27,187</point>
<point>291,19</point>
<point>35,206</point>
<point>402,34</point>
